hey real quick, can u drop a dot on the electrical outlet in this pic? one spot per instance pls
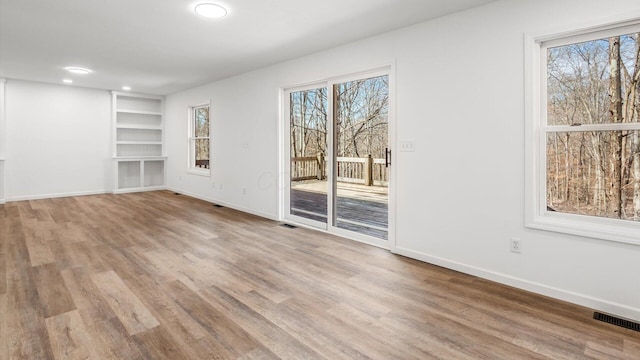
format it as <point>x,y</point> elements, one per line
<point>244,191</point>
<point>516,245</point>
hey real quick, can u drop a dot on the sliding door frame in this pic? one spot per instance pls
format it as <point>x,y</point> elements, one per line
<point>285,157</point>
<point>332,223</point>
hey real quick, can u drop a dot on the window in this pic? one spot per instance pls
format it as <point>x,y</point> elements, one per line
<point>587,135</point>
<point>199,140</point>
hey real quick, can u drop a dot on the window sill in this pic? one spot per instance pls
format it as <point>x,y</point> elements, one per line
<point>622,231</point>
<point>199,172</point>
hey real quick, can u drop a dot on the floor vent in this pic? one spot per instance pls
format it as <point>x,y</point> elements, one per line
<point>218,206</point>
<point>288,226</point>
<point>628,324</point>
<point>177,194</point>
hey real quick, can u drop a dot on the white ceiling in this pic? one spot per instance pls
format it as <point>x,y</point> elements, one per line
<point>161,46</point>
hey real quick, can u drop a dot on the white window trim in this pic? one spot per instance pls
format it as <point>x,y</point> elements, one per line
<point>536,214</point>
<point>191,141</point>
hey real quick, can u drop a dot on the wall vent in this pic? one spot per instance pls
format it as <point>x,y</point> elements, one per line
<point>628,324</point>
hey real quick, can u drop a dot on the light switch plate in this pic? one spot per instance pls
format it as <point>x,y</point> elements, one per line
<point>407,146</point>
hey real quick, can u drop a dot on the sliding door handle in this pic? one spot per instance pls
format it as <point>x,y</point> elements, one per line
<point>387,157</point>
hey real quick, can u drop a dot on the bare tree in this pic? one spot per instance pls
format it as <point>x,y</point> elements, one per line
<point>615,112</point>
<point>594,172</point>
<point>361,117</point>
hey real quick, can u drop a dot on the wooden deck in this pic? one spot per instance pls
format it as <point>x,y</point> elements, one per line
<point>365,205</point>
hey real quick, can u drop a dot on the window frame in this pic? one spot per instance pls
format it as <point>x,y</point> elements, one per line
<point>191,141</point>
<point>536,129</point>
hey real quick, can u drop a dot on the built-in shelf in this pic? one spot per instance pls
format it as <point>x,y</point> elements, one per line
<point>140,174</point>
<point>140,112</point>
<point>138,143</point>
<point>123,158</point>
<point>139,127</point>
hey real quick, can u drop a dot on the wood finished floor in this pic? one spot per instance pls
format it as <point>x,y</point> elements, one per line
<point>160,276</point>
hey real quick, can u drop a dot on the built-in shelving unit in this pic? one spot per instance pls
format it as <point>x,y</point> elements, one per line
<point>138,142</point>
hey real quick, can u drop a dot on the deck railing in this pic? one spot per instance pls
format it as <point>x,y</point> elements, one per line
<point>367,171</point>
<point>308,168</point>
<point>203,164</point>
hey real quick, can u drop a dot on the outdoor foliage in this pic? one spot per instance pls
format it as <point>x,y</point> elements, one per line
<point>594,172</point>
<point>362,108</point>
<point>308,122</point>
<point>361,117</point>
<point>201,136</point>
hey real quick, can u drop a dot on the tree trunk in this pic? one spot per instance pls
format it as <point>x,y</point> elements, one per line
<point>615,111</point>
<point>556,182</point>
<point>636,175</point>
<point>599,198</point>
<point>581,174</point>
<point>567,169</point>
<point>303,124</point>
<point>294,146</point>
<point>633,113</point>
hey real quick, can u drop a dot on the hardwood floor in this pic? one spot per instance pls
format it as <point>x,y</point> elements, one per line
<point>161,276</point>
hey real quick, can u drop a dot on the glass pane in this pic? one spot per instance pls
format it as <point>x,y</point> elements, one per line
<point>362,108</point>
<point>594,173</point>
<point>589,82</point>
<point>308,116</point>
<point>202,153</point>
<point>201,118</point>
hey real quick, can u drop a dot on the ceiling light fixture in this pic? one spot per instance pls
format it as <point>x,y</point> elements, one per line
<point>77,70</point>
<point>210,10</point>
<point>67,81</point>
<point>126,88</point>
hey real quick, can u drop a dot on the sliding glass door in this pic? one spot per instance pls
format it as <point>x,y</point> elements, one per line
<point>361,162</point>
<point>308,183</point>
<point>338,157</point>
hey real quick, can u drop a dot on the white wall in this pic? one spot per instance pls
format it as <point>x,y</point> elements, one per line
<point>58,140</point>
<point>2,139</point>
<point>460,195</point>
<point>244,146</point>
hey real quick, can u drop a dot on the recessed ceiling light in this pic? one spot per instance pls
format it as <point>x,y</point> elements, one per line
<point>67,81</point>
<point>77,70</point>
<point>210,10</point>
<point>126,88</point>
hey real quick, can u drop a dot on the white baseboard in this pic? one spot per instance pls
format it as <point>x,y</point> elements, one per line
<point>231,206</point>
<point>556,293</point>
<point>139,189</point>
<point>57,195</point>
